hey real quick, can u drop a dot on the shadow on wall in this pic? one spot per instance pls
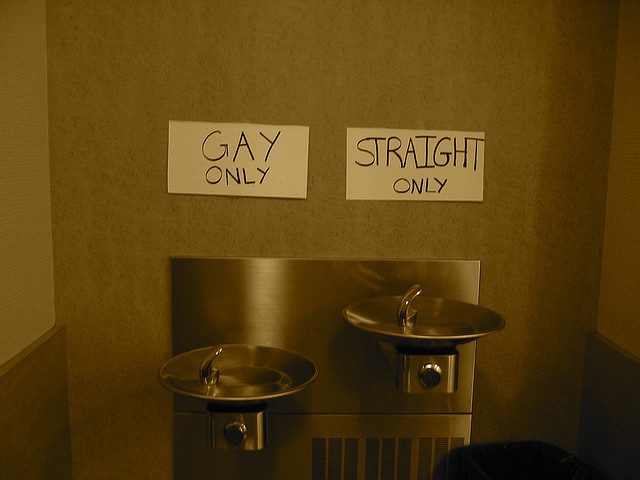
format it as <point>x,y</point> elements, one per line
<point>609,415</point>
<point>569,100</point>
<point>570,211</point>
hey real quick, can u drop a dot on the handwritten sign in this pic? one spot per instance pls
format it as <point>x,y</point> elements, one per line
<point>391,164</point>
<point>238,159</point>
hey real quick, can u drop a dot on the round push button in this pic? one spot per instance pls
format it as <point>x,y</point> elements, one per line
<point>430,375</point>
<point>235,433</point>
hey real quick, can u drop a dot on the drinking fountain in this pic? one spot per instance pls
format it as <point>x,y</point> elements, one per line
<point>237,381</point>
<point>425,332</point>
<point>396,367</point>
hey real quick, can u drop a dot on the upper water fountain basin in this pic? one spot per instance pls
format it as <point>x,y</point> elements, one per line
<point>438,323</point>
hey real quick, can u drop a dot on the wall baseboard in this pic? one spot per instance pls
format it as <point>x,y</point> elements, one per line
<point>34,411</point>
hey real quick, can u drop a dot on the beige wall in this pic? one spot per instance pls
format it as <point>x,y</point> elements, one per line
<point>536,77</point>
<point>26,256</point>
<point>610,420</point>
<point>618,314</point>
<point>34,419</point>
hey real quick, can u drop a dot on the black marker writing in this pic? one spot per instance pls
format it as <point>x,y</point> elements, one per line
<point>235,176</point>
<point>422,185</point>
<point>271,144</point>
<point>225,147</point>
<point>374,157</point>
<point>245,144</point>
<point>245,147</point>
<point>213,152</point>
<point>459,152</point>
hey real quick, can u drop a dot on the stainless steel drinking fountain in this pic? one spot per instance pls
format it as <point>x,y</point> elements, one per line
<point>380,408</point>
<point>237,381</point>
<point>425,332</point>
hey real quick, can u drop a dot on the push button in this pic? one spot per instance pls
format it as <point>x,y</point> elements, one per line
<point>430,375</point>
<point>235,433</point>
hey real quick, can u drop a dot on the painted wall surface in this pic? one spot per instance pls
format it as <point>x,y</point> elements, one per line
<point>26,253</point>
<point>619,308</point>
<point>34,418</point>
<point>537,79</point>
<point>610,420</point>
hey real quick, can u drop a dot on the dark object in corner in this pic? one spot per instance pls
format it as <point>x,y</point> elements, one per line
<point>523,461</point>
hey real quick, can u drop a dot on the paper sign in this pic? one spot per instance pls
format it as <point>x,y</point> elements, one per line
<point>427,165</point>
<point>238,159</point>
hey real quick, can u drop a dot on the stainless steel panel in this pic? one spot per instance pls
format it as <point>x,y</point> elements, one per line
<point>428,373</point>
<point>241,430</point>
<point>296,304</point>
<point>361,447</point>
<point>336,447</point>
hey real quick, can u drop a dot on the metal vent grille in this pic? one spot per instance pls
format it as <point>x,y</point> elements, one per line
<point>382,458</point>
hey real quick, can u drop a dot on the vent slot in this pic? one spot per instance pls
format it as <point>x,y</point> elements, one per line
<point>371,458</point>
<point>350,465</point>
<point>425,461</point>
<point>403,465</point>
<point>334,459</point>
<point>382,458</point>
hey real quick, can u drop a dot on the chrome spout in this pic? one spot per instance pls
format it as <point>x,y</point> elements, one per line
<point>406,314</point>
<point>209,373</point>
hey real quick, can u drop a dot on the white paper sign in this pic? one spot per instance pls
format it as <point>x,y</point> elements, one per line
<point>428,165</point>
<point>238,159</point>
